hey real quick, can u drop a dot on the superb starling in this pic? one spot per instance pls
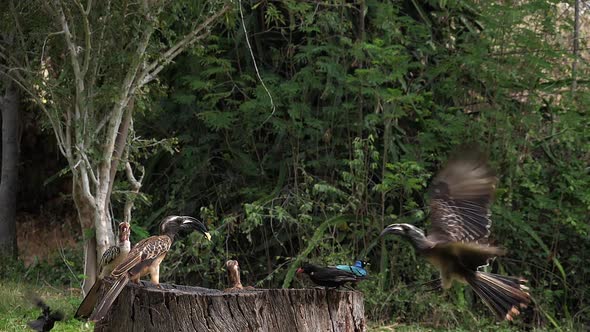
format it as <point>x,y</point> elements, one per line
<point>329,277</point>
<point>358,269</point>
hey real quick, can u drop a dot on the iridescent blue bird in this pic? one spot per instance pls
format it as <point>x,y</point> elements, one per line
<point>358,269</point>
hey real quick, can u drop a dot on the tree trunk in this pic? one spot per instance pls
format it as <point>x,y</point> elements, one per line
<point>184,308</point>
<point>9,178</point>
<point>85,208</point>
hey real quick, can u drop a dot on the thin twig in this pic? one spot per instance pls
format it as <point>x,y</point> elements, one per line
<point>255,65</point>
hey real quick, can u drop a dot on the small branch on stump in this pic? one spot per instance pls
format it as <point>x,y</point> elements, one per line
<point>233,275</point>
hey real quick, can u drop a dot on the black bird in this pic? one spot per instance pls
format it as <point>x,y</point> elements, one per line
<point>329,277</point>
<point>47,320</point>
<point>145,258</point>
<point>456,244</point>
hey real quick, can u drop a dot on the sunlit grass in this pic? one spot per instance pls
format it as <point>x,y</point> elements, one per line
<point>16,309</point>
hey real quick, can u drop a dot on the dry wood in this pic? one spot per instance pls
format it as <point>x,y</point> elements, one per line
<point>185,308</point>
<point>233,277</point>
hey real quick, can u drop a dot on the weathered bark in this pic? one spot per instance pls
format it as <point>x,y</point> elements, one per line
<point>85,207</point>
<point>184,308</point>
<point>9,179</point>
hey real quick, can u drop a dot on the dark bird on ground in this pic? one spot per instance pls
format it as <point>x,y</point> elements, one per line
<point>112,257</point>
<point>358,269</point>
<point>47,320</point>
<point>456,244</point>
<point>329,277</point>
<point>145,258</point>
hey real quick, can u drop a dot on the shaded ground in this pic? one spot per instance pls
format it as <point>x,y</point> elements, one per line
<point>40,236</point>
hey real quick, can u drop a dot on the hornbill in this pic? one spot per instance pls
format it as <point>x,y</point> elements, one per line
<point>329,277</point>
<point>109,260</point>
<point>460,198</point>
<point>358,269</point>
<point>145,258</point>
<point>47,320</point>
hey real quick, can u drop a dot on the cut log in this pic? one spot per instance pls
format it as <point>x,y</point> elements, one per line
<point>185,308</point>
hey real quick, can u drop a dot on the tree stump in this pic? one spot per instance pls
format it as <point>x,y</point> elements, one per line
<point>185,308</point>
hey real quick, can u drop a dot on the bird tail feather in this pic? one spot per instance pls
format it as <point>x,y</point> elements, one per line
<point>504,295</point>
<point>87,305</point>
<point>109,298</point>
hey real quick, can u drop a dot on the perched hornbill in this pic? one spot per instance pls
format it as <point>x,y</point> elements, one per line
<point>145,258</point>
<point>47,320</point>
<point>109,260</point>
<point>329,277</point>
<point>456,244</point>
<point>358,269</point>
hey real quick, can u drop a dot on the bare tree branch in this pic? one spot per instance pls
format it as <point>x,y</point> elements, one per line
<point>78,75</point>
<point>156,66</point>
<point>89,166</point>
<point>135,186</point>
<point>87,35</point>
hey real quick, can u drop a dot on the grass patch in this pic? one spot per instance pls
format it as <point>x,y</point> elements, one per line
<point>16,309</point>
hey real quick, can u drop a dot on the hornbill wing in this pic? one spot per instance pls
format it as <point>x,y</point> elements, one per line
<point>461,195</point>
<point>151,250</point>
<point>471,255</point>
<point>142,250</point>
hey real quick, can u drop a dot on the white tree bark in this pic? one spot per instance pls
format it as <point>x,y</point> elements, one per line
<point>87,135</point>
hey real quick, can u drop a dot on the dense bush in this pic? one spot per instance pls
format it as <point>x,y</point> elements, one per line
<point>370,99</point>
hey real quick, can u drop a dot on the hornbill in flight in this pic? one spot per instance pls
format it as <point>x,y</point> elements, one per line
<point>145,258</point>
<point>329,277</point>
<point>109,260</point>
<point>456,244</point>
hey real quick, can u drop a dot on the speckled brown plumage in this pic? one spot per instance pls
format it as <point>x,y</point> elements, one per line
<point>145,258</point>
<point>461,195</point>
<point>116,254</point>
<point>109,260</point>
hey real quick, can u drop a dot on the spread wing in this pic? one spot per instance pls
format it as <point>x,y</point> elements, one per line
<point>143,254</point>
<point>461,195</point>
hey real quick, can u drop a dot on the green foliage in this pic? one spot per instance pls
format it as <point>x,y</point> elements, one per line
<point>61,269</point>
<point>371,98</point>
